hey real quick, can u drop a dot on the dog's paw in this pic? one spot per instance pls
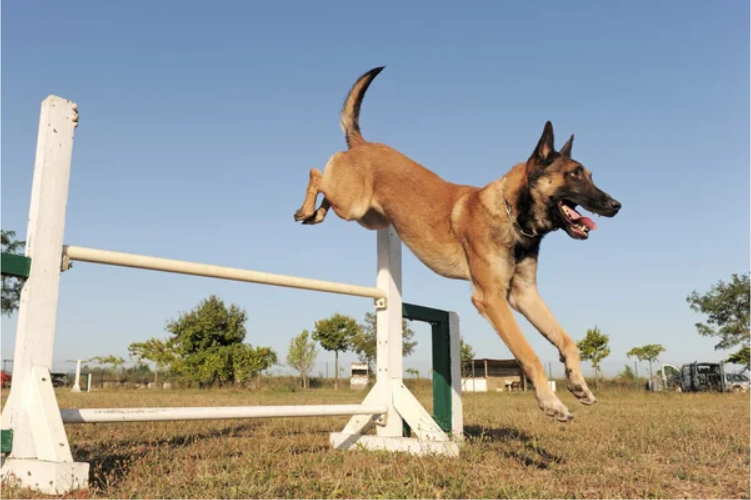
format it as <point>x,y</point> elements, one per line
<point>302,215</point>
<point>579,389</point>
<point>553,408</point>
<point>316,218</point>
<point>583,394</point>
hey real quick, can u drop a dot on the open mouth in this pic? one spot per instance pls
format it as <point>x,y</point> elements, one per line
<point>576,224</point>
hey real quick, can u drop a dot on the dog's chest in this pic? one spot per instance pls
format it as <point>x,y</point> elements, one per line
<point>526,248</point>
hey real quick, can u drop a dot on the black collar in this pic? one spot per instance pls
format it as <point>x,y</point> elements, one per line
<point>512,219</point>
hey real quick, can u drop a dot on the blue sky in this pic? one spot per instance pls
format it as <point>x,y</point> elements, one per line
<point>198,126</point>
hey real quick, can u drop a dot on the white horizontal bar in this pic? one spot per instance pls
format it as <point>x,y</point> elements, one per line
<point>96,415</point>
<point>183,267</point>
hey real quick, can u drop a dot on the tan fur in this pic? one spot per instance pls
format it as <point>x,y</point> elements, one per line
<point>460,232</point>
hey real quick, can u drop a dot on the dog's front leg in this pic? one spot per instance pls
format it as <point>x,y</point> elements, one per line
<point>525,298</point>
<point>489,297</point>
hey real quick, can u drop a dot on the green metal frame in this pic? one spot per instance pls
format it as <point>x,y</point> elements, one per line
<point>15,265</point>
<point>441,349</point>
<point>6,441</point>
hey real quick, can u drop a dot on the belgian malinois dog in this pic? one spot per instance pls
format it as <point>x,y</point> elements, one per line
<point>489,236</point>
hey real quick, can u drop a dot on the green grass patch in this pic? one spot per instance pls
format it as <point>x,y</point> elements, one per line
<point>629,445</point>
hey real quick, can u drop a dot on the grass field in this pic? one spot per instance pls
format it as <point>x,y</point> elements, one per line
<point>629,445</point>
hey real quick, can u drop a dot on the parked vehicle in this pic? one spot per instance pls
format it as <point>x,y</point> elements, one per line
<point>6,376</point>
<point>736,382</point>
<point>59,379</point>
<point>703,377</point>
<point>668,379</point>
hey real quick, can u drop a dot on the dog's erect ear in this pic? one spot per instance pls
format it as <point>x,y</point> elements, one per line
<point>544,148</point>
<point>566,149</point>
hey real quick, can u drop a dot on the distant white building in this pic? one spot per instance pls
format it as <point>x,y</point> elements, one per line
<point>486,375</point>
<point>358,378</point>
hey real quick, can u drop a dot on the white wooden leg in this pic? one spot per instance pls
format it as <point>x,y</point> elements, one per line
<point>389,362</point>
<point>40,456</point>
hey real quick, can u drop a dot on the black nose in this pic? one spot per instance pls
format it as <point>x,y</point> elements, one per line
<point>615,204</point>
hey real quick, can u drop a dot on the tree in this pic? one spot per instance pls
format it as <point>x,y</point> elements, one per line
<point>413,372</point>
<point>115,362</point>
<point>161,353</point>
<point>336,334</point>
<point>212,366</point>
<point>209,348</point>
<point>302,356</point>
<point>649,352</point>
<point>11,286</point>
<point>627,373</point>
<point>467,354</point>
<point>740,357</point>
<point>248,361</point>
<point>365,343</point>
<point>138,373</point>
<point>209,325</point>
<point>594,348</point>
<point>727,308</point>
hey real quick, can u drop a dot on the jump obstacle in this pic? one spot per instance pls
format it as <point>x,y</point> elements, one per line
<point>32,422</point>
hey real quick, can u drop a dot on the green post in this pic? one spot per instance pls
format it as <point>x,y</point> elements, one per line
<point>6,443</point>
<point>15,265</point>
<point>441,350</point>
<point>442,375</point>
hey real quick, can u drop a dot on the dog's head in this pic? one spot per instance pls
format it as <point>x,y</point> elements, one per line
<point>558,184</point>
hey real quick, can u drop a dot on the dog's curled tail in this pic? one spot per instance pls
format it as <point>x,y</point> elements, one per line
<point>350,119</point>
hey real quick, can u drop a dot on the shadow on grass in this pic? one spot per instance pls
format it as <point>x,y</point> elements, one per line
<point>530,454</point>
<point>110,461</point>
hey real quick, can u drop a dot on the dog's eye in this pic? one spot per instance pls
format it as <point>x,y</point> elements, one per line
<point>575,173</point>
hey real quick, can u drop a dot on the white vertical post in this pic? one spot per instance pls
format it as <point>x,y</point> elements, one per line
<point>457,411</point>
<point>77,384</point>
<point>88,383</point>
<point>389,389</point>
<point>389,362</point>
<point>41,456</point>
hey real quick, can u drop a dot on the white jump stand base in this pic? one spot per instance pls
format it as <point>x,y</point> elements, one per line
<point>429,438</point>
<point>50,478</point>
<point>342,441</point>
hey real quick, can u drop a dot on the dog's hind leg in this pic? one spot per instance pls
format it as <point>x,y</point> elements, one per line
<point>308,208</point>
<point>524,297</point>
<point>319,214</point>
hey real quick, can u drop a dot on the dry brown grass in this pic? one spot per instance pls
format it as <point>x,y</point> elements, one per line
<point>629,445</point>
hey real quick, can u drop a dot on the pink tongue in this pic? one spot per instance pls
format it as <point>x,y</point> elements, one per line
<point>589,223</point>
<point>574,215</point>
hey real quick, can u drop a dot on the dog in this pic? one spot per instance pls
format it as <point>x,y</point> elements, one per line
<point>489,236</point>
